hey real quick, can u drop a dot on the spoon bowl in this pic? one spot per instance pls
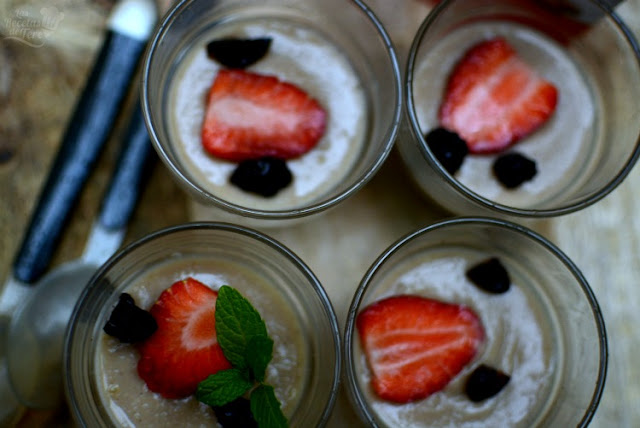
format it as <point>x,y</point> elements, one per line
<point>36,334</point>
<point>33,321</point>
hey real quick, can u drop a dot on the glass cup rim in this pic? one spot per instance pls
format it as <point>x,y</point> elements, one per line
<point>351,382</point>
<point>313,208</point>
<point>467,193</point>
<point>232,229</point>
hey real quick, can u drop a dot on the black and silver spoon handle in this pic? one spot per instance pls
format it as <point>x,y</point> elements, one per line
<point>127,182</point>
<point>130,25</point>
<point>44,313</point>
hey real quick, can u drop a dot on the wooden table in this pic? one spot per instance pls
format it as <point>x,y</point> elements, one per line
<point>42,72</point>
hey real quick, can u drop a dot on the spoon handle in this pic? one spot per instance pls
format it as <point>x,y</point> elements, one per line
<point>85,135</point>
<point>133,168</point>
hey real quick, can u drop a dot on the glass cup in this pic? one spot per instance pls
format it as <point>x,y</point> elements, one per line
<point>305,369</point>
<point>336,50</point>
<point>546,331</point>
<point>582,152</point>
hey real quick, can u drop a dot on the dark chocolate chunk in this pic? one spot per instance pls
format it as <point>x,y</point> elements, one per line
<point>448,148</point>
<point>490,275</point>
<point>129,323</point>
<point>238,53</point>
<point>485,382</point>
<point>235,414</point>
<point>513,169</point>
<point>265,176</point>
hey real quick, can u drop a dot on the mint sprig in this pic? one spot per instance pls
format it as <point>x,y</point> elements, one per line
<point>239,327</point>
<point>242,335</point>
<point>223,387</point>
<point>259,356</point>
<point>266,408</point>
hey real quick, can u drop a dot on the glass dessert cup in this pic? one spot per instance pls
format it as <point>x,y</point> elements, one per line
<point>582,152</point>
<point>351,70</point>
<point>305,369</point>
<point>546,331</point>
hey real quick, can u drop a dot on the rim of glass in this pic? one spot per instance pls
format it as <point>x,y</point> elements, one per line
<point>584,202</point>
<point>232,229</point>
<point>313,208</point>
<point>352,383</point>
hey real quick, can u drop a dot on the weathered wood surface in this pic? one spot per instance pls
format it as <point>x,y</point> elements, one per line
<point>46,49</point>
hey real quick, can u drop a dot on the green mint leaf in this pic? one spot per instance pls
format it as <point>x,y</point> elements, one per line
<point>258,359</point>
<point>265,408</point>
<point>223,387</point>
<point>243,337</point>
<point>237,323</point>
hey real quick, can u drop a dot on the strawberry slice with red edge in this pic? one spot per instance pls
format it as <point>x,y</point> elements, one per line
<point>415,346</point>
<point>493,98</point>
<point>250,115</point>
<point>184,350</point>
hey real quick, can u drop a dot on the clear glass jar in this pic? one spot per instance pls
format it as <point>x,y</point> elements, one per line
<point>313,324</point>
<point>583,152</point>
<point>350,27</point>
<point>546,331</point>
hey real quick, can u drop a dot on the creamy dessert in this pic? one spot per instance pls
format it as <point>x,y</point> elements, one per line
<point>128,399</point>
<point>514,333</point>
<point>563,147</point>
<point>298,55</point>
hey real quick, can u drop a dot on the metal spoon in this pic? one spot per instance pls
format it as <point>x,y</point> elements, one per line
<point>129,26</point>
<point>37,328</point>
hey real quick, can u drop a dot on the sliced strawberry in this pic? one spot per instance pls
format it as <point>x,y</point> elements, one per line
<point>250,116</point>
<point>414,345</point>
<point>493,98</point>
<point>183,351</point>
